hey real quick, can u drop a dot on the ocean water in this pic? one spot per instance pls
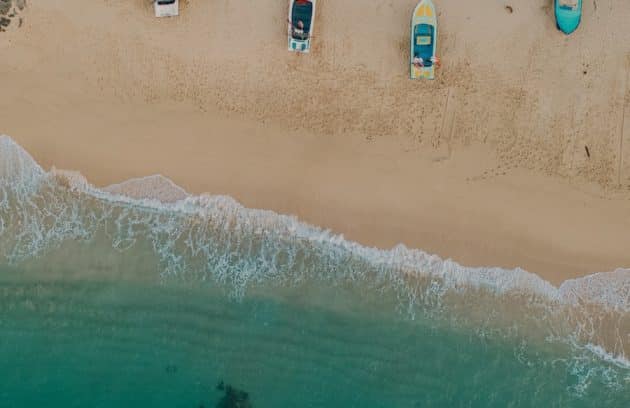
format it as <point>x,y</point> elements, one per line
<point>143,295</point>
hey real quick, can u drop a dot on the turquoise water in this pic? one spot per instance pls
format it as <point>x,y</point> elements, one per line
<point>120,298</point>
<point>102,344</point>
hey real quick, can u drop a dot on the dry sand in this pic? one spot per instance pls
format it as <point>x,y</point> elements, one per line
<point>486,165</point>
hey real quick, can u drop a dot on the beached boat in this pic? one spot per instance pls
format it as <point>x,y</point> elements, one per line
<point>423,40</point>
<point>301,22</point>
<point>166,8</point>
<point>568,15</point>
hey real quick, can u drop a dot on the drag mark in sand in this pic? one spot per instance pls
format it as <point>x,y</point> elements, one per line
<point>448,123</point>
<point>624,131</point>
<point>623,120</point>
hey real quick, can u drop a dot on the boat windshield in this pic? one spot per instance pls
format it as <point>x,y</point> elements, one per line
<point>302,11</point>
<point>423,42</point>
<point>568,4</point>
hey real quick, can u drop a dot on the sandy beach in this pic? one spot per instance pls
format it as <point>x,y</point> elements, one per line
<point>486,165</point>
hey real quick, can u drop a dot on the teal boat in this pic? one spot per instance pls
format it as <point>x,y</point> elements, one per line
<point>568,15</point>
<point>423,40</point>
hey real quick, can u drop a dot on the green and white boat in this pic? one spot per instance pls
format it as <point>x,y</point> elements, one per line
<point>301,22</point>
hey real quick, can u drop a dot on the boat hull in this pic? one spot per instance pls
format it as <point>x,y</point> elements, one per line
<point>297,9</point>
<point>568,20</point>
<point>423,40</point>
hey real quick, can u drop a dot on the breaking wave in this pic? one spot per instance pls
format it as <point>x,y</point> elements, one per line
<point>214,239</point>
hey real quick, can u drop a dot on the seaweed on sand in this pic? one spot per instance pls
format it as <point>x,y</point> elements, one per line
<point>5,6</point>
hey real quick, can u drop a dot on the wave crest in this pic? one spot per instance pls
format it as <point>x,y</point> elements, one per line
<point>156,187</point>
<point>17,167</point>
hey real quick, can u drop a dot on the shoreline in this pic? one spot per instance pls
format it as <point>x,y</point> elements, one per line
<point>200,233</point>
<point>433,206</point>
<point>491,172</point>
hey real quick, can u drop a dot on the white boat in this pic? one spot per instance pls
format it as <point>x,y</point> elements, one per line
<point>301,22</point>
<point>166,8</point>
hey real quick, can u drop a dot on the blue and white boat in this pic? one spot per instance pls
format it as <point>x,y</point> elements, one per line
<point>568,15</point>
<point>301,22</point>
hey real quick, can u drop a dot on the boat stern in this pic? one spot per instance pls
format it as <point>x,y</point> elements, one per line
<point>422,72</point>
<point>166,8</point>
<point>299,45</point>
<point>568,18</point>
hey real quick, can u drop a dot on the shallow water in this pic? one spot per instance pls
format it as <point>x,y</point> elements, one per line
<point>72,343</point>
<point>121,297</point>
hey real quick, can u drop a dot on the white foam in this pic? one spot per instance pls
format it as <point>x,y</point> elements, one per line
<point>155,187</point>
<point>617,360</point>
<point>610,288</point>
<point>17,166</point>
